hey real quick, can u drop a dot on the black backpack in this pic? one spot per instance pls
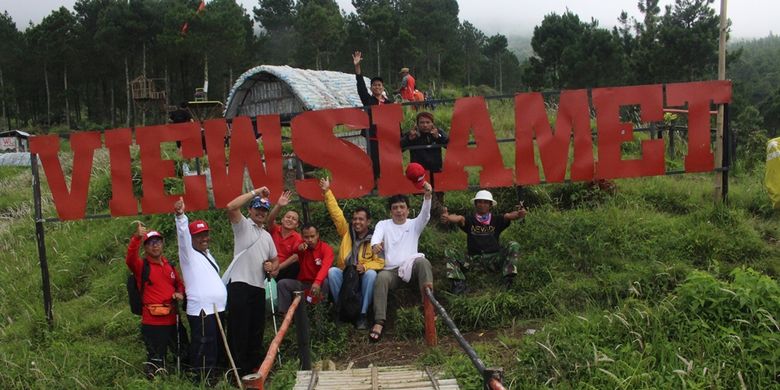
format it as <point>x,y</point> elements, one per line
<point>134,293</point>
<point>350,296</point>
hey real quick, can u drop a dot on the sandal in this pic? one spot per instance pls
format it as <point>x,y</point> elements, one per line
<point>375,336</point>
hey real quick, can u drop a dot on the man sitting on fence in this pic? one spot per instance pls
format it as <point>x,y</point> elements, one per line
<point>398,238</point>
<point>355,250</point>
<point>159,285</point>
<point>315,257</point>
<point>483,229</point>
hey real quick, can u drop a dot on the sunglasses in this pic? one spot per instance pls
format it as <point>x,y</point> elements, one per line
<point>154,241</point>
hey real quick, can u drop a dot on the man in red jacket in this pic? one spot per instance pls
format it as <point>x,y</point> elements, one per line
<point>161,288</point>
<point>315,258</point>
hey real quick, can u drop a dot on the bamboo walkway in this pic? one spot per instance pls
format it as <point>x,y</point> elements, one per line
<point>374,378</point>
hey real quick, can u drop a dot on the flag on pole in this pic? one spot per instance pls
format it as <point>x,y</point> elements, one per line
<point>186,26</point>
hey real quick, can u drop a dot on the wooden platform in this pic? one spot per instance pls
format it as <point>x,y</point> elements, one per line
<point>394,377</point>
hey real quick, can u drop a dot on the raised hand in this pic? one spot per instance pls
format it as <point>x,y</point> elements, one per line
<point>178,207</point>
<point>262,192</point>
<point>427,187</point>
<point>284,198</point>
<point>413,133</point>
<point>140,229</point>
<point>357,57</point>
<point>325,184</point>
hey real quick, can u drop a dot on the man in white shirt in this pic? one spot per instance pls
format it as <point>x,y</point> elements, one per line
<point>398,237</point>
<point>205,290</point>
<point>253,251</point>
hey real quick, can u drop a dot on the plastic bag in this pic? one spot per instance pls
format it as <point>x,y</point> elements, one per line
<point>772,175</point>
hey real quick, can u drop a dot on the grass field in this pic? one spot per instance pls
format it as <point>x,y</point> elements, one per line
<point>648,285</point>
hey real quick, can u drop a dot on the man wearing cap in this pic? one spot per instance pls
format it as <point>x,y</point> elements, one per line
<point>398,238</point>
<point>254,253</point>
<point>205,291</point>
<point>355,249</point>
<point>407,85</point>
<point>483,229</point>
<point>315,257</point>
<point>160,285</point>
<point>286,238</point>
<point>375,98</point>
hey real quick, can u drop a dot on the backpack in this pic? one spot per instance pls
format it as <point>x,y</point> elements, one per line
<point>350,296</point>
<point>134,293</point>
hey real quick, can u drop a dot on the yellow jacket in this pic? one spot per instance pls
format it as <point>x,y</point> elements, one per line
<point>365,255</point>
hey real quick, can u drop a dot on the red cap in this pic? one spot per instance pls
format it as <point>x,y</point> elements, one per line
<point>198,227</point>
<point>151,234</point>
<point>416,174</point>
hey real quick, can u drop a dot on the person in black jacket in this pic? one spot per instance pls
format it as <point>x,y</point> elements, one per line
<point>375,98</point>
<point>426,133</point>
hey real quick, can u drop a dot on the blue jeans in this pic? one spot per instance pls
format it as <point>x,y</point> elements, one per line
<point>336,278</point>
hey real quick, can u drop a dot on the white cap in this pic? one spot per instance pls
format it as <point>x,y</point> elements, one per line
<point>484,195</point>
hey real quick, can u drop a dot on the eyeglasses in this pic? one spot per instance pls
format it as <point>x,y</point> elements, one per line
<point>153,241</point>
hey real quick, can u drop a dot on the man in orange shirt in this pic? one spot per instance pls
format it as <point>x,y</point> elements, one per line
<point>407,85</point>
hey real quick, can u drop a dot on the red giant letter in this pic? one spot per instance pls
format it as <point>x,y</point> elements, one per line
<point>315,143</point>
<point>471,113</point>
<point>154,169</point>
<point>70,204</point>
<point>244,154</point>
<point>531,119</point>
<point>392,180</point>
<point>123,202</point>
<point>612,133</point>
<point>699,95</point>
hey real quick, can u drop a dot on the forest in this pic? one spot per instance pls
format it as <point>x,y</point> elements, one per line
<point>72,70</point>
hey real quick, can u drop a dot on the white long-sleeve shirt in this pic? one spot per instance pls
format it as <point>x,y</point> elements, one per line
<point>202,282</point>
<point>401,241</point>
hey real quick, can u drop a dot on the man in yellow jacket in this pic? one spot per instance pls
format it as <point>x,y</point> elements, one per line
<point>355,249</point>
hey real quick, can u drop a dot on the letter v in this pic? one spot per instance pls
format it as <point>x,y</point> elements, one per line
<point>70,204</point>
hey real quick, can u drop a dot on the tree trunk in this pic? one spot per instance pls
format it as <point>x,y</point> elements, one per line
<point>112,108</point>
<point>438,66</point>
<point>127,95</point>
<point>48,96</point>
<point>500,76</point>
<point>2,90</point>
<point>378,62</point>
<point>67,104</point>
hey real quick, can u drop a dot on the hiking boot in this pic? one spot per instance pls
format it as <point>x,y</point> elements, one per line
<point>508,282</point>
<point>459,287</point>
<point>362,322</point>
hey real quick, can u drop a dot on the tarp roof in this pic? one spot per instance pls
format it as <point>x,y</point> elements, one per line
<point>314,89</point>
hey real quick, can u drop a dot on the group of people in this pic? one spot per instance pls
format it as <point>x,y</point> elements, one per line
<point>385,258</point>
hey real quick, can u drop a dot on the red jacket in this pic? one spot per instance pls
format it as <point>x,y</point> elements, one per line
<point>315,263</point>
<point>163,282</point>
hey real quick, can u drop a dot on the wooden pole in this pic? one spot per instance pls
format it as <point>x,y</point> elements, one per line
<point>257,380</point>
<point>431,338</point>
<point>227,348</point>
<point>41,240</point>
<point>719,175</point>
